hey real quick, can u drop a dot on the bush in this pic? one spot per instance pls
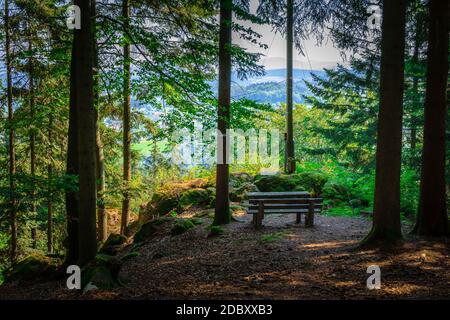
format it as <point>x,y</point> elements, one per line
<point>181,226</point>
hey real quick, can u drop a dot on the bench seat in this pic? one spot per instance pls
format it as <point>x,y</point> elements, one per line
<point>261,203</point>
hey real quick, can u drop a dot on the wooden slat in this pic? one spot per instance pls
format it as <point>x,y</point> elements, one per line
<point>284,206</point>
<point>282,211</point>
<point>265,195</point>
<point>286,200</point>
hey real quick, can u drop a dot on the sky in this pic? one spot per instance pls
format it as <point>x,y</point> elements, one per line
<point>316,57</point>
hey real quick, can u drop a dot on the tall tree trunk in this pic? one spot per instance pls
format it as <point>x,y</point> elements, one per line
<point>50,188</point>
<point>11,151</point>
<point>432,218</point>
<point>83,41</point>
<point>290,152</point>
<point>102,218</point>
<point>222,210</point>
<point>126,123</point>
<point>72,195</point>
<point>386,221</point>
<point>415,92</point>
<point>32,136</point>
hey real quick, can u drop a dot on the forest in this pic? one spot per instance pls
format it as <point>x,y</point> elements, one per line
<point>147,153</point>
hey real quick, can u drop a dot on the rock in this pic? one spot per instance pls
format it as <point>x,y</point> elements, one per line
<point>99,277</point>
<point>275,183</point>
<point>238,194</point>
<point>149,229</point>
<point>162,203</point>
<point>195,197</point>
<point>113,244</point>
<point>311,181</point>
<point>33,266</point>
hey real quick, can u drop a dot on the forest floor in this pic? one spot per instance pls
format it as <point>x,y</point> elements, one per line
<point>282,261</point>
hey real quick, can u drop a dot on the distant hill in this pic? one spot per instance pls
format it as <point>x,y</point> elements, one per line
<point>271,88</point>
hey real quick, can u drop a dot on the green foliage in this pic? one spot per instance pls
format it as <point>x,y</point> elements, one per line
<point>215,230</point>
<point>181,226</point>
<point>273,237</point>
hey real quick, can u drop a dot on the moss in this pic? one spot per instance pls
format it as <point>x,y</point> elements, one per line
<point>149,229</point>
<point>181,226</point>
<point>312,181</point>
<point>215,231</point>
<point>113,244</point>
<point>194,197</point>
<point>162,203</point>
<point>33,266</point>
<point>272,237</point>
<point>275,183</point>
<point>238,194</point>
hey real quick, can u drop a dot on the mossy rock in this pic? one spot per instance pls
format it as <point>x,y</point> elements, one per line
<point>149,229</point>
<point>239,194</point>
<point>99,276</point>
<point>275,183</point>
<point>195,197</point>
<point>32,267</point>
<point>239,178</point>
<point>113,244</point>
<point>162,203</point>
<point>181,226</point>
<point>312,181</point>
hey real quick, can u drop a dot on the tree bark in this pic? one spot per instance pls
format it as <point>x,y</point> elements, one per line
<point>72,195</point>
<point>222,209</point>
<point>386,221</point>
<point>50,188</point>
<point>126,123</point>
<point>102,218</point>
<point>32,136</point>
<point>432,218</point>
<point>290,152</point>
<point>83,41</point>
<point>11,142</point>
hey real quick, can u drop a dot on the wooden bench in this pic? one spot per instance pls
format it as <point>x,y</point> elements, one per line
<point>262,203</point>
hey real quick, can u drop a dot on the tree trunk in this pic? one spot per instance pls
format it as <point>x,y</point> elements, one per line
<point>222,210</point>
<point>290,153</point>
<point>386,221</point>
<point>126,124</point>
<point>11,151</point>
<point>415,92</point>
<point>83,41</point>
<point>32,137</point>
<point>102,218</point>
<point>432,218</point>
<point>50,188</point>
<point>72,195</point>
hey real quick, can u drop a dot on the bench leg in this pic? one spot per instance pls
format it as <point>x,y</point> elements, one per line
<point>259,216</point>
<point>309,220</point>
<point>298,220</point>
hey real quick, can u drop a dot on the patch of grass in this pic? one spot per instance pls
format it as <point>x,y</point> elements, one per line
<point>181,226</point>
<point>272,237</point>
<point>344,211</point>
<point>215,230</point>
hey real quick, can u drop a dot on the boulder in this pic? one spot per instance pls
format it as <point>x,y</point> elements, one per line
<point>32,267</point>
<point>113,244</point>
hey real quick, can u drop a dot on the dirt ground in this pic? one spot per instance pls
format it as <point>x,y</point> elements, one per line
<point>282,261</point>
